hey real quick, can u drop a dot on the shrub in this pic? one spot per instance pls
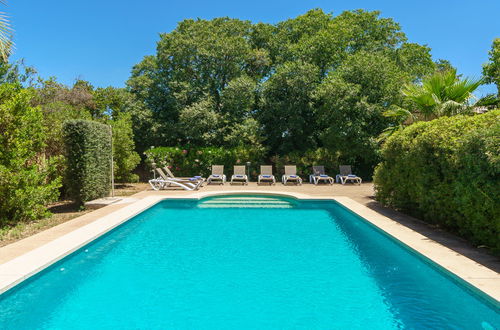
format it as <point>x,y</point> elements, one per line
<point>124,157</point>
<point>198,161</point>
<point>446,172</point>
<point>27,179</point>
<point>88,151</point>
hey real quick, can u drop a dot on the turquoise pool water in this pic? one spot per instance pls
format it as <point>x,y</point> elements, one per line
<point>244,262</point>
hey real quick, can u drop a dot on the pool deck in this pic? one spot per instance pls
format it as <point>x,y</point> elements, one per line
<point>26,257</point>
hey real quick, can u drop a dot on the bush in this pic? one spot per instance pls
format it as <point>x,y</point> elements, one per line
<point>88,152</point>
<point>27,179</point>
<point>446,172</point>
<point>124,157</point>
<point>199,161</point>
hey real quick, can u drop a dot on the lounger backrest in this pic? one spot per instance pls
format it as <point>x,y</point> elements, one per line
<point>169,172</point>
<point>318,170</point>
<point>290,170</point>
<point>239,169</point>
<point>266,169</point>
<point>161,173</point>
<point>218,169</point>
<point>345,169</point>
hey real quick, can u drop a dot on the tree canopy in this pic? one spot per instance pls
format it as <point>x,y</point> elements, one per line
<point>311,81</point>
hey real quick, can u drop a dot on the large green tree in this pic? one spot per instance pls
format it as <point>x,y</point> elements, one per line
<point>491,70</point>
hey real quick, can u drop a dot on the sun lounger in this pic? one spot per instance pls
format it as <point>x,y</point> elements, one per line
<point>217,175</point>
<point>291,175</point>
<point>346,175</point>
<point>171,175</point>
<point>164,182</point>
<point>239,175</point>
<point>266,175</point>
<point>319,175</point>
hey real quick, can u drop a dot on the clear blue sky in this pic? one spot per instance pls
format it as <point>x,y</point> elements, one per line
<point>100,41</point>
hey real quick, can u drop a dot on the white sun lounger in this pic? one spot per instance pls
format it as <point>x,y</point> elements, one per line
<point>165,182</point>
<point>291,175</point>
<point>239,175</point>
<point>266,175</point>
<point>217,174</point>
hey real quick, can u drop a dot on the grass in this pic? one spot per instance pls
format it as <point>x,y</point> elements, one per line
<point>62,211</point>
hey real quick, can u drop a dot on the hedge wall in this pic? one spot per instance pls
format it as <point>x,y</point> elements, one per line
<point>198,161</point>
<point>88,152</point>
<point>446,172</point>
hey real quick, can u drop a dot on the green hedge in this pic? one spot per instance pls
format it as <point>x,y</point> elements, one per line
<point>446,172</point>
<point>198,161</point>
<point>88,152</point>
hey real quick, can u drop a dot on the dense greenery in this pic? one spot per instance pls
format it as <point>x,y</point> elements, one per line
<point>315,81</point>
<point>88,154</point>
<point>199,161</point>
<point>491,70</point>
<point>446,172</point>
<point>27,178</point>
<point>444,93</point>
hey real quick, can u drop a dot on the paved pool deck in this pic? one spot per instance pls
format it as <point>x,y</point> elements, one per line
<point>480,269</point>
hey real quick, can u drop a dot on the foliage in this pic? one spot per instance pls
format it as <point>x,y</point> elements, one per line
<point>227,82</point>
<point>88,152</point>
<point>125,159</point>
<point>446,172</point>
<point>491,70</point>
<point>27,180</point>
<point>198,161</point>
<point>6,42</point>
<point>305,160</point>
<point>287,114</point>
<point>443,93</point>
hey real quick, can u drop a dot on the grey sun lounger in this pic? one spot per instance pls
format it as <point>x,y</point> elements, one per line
<point>239,175</point>
<point>266,175</point>
<point>319,175</point>
<point>217,175</point>
<point>164,182</point>
<point>291,175</point>
<point>346,175</point>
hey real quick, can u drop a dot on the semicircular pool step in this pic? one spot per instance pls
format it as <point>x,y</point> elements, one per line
<point>245,202</point>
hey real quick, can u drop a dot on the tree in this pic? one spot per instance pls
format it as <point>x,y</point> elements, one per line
<point>441,94</point>
<point>286,113</point>
<point>5,36</point>
<point>491,70</point>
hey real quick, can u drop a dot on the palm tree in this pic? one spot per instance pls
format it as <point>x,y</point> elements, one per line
<point>441,94</point>
<point>5,36</point>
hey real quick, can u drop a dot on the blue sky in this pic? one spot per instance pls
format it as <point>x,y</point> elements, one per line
<point>100,41</point>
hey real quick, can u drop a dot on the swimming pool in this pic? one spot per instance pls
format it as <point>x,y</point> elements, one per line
<point>244,262</point>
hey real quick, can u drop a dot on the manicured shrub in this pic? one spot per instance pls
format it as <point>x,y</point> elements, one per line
<point>199,161</point>
<point>446,172</point>
<point>27,179</point>
<point>88,152</point>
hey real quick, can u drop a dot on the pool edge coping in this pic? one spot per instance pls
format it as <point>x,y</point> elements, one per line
<point>15,271</point>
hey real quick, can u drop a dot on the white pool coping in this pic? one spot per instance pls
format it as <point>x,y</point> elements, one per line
<point>476,275</point>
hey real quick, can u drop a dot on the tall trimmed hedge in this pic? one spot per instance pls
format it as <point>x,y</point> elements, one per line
<point>88,152</point>
<point>446,172</point>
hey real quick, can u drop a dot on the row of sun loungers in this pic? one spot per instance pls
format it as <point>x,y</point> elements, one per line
<point>167,179</point>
